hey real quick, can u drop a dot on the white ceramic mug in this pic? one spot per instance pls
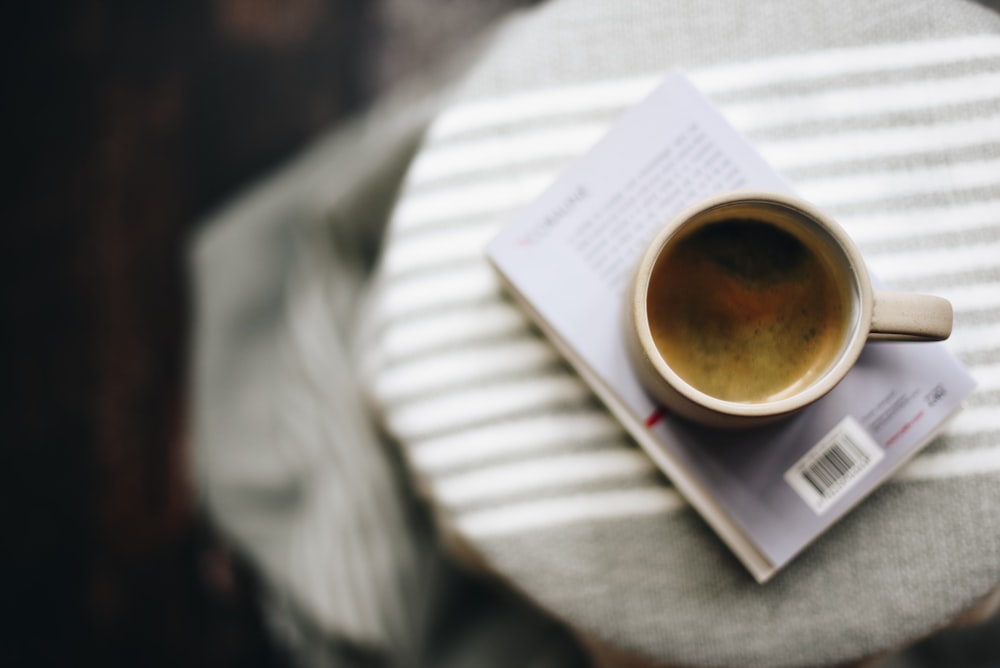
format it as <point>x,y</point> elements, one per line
<point>734,297</point>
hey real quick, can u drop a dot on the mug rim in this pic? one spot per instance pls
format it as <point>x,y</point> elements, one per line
<point>861,319</point>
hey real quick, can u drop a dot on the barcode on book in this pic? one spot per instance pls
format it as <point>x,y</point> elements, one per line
<point>834,465</point>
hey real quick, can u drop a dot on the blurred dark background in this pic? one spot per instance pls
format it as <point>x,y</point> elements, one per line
<point>126,123</point>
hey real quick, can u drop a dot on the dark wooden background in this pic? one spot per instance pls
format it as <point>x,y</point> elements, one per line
<point>124,123</point>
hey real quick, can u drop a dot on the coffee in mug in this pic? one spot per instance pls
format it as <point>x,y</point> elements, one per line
<point>749,306</point>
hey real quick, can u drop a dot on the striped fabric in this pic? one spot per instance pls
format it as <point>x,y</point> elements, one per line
<point>891,128</point>
<point>284,453</point>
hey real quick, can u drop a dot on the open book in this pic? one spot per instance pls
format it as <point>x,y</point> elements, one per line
<point>568,259</point>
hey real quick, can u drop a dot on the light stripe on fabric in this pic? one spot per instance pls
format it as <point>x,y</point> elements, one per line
<point>480,154</point>
<point>905,140</point>
<point>973,340</point>
<point>439,330</point>
<point>988,376</point>
<point>847,189</point>
<point>571,509</point>
<point>975,419</point>
<point>471,199</point>
<point>607,95</point>
<point>523,436</point>
<point>447,411</point>
<point>439,246</point>
<point>835,62</point>
<point>952,464</point>
<point>460,285</point>
<point>516,147</point>
<point>831,105</point>
<point>946,238</point>
<point>969,297</point>
<point>884,226</point>
<point>620,93</point>
<point>911,263</point>
<point>954,277</point>
<point>495,482</point>
<point>443,330</point>
<point>470,364</point>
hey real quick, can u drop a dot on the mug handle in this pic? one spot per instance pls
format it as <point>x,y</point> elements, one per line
<point>906,316</point>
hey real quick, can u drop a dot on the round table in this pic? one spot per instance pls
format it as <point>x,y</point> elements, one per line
<point>891,127</point>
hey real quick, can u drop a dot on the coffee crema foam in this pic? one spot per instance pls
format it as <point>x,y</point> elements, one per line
<point>746,312</point>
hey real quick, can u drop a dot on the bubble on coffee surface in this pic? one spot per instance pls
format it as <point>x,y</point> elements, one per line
<point>745,311</point>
